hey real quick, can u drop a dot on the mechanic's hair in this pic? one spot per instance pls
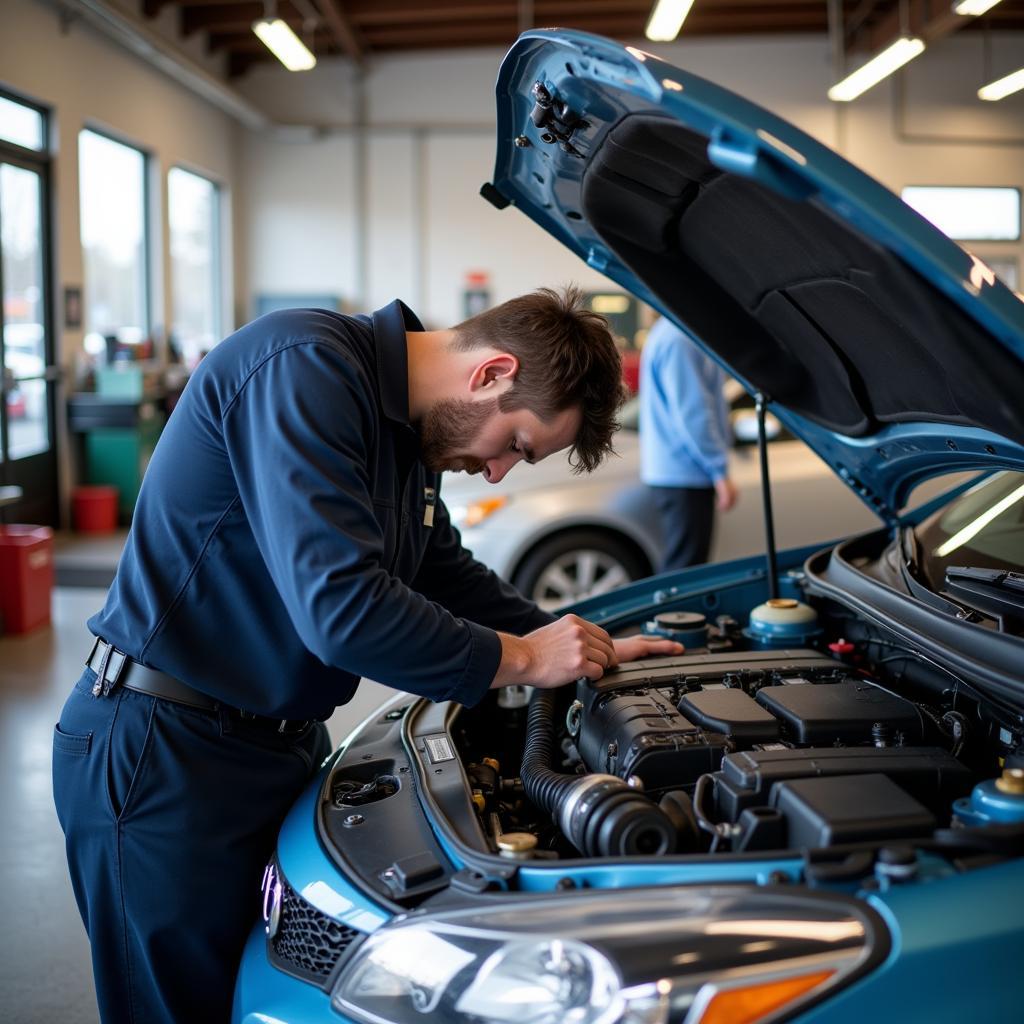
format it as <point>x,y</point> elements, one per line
<point>567,357</point>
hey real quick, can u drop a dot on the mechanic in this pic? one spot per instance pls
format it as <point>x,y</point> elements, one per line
<point>290,538</point>
<point>685,438</point>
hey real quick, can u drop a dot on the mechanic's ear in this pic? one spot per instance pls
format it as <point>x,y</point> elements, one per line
<point>494,375</point>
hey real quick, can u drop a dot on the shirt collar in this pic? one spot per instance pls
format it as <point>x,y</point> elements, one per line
<point>389,326</point>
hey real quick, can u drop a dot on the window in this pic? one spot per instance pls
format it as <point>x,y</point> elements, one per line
<point>21,124</point>
<point>969,214</point>
<point>193,209</point>
<point>113,221</point>
<point>23,357</point>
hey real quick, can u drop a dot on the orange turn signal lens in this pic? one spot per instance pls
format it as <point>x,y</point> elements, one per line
<point>483,509</point>
<point>748,1004</point>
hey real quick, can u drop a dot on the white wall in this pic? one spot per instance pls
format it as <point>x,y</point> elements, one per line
<point>88,81</point>
<point>431,145</point>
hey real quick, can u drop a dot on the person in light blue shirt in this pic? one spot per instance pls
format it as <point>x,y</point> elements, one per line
<point>684,442</point>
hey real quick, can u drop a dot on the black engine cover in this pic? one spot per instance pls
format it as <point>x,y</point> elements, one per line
<point>670,720</point>
<point>641,733</point>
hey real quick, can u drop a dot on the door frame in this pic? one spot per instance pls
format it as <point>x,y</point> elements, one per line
<point>41,501</point>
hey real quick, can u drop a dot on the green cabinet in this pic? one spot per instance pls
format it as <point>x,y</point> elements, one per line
<point>119,435</point>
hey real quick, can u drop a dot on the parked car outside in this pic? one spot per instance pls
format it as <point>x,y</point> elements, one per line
<point>816,813</point>
<point>560,538</point>
<point>23,359</point>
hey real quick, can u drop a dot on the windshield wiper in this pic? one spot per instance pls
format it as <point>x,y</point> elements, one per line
<point>998,593</point>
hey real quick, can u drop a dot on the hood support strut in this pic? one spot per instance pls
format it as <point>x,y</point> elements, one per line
<point>766,496</point>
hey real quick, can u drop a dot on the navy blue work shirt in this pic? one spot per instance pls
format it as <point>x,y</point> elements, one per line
<point>280,548</point>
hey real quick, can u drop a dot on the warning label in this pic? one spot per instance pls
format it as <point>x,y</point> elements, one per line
<point>439,749</point>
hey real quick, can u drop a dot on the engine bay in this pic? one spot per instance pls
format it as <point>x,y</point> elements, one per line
<point>744,743</point>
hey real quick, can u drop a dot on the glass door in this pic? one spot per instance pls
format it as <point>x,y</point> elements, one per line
<point>27,454</point>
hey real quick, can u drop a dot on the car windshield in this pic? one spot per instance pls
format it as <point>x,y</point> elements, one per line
<point>983,527</point>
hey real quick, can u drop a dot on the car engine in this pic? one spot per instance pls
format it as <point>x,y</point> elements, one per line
<point>744,743</point>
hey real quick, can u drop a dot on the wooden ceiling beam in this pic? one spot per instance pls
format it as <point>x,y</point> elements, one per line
<point>856,20</point>
<point>348,38</point>
<point>480,12</point>
<point>401,13</point>
<point>216,17</point>
<point>720,20</point>
<point>545,12</point>
<point>924,19</point>
<point>188,5</point>
<point>361,10</point>
<point>249,42</point>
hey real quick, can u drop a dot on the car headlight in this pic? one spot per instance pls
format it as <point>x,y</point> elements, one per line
<point>465,517</point>
<point>728,955</point>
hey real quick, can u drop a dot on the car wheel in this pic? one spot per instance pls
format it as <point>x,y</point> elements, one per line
<point>575,565</point>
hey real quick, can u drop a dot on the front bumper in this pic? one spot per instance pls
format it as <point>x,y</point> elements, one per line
<point>265,995</point>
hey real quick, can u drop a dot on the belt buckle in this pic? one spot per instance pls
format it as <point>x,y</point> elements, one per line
<point>298,726</point>
<point>104,681</point>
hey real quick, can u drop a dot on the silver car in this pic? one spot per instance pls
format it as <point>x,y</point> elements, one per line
<point>559,537</point>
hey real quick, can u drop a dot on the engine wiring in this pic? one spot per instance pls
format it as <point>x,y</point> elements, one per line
<point>1006,716</point>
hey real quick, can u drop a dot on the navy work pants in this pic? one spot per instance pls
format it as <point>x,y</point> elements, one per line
<point>170,814</point>
<point>687,521</point>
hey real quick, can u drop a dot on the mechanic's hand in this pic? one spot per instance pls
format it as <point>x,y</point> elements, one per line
<point>633,648</point>
<point>555,654</point>
<point>726,494</point>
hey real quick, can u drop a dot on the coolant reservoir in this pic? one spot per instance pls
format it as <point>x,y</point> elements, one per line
<point>994,801</point>
<point>782,622</point>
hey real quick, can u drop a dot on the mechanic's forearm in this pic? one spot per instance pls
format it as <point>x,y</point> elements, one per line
<point>516,659</point>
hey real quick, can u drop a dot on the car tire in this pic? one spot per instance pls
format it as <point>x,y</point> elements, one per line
<point>578,564</point>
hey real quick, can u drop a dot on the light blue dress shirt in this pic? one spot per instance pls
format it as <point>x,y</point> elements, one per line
<point>684,418</point>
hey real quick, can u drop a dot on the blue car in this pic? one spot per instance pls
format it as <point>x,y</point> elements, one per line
<point>817,812</point>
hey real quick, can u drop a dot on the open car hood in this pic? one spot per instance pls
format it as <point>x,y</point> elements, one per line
<point>887,348</point>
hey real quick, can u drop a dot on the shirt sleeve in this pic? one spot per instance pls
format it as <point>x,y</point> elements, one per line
<point>296,436</point>
<point>451,576</point>
<point>686,388</point>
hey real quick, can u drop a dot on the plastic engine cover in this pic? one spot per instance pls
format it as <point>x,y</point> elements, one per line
<point>643,734</point>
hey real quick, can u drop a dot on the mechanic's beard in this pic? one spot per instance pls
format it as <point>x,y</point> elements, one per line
<point>452,425</point>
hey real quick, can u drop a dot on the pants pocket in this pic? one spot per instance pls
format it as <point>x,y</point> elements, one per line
<point>77,745</point>
<point>72,769</point>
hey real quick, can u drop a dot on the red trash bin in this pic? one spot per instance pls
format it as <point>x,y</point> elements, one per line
<point>26,577</point>
<point>94,508</point>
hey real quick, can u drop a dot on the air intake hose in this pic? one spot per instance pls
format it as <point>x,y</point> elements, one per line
<point>600,814</point>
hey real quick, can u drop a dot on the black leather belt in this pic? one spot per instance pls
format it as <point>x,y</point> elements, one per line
<point>115,668</point>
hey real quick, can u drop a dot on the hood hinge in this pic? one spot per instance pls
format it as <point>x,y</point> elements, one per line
<point>554,118</point>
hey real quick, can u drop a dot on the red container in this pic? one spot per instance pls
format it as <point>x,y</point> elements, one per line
<point>26,577</point>
<point>94,509</point>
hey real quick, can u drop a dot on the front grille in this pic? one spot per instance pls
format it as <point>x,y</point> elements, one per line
<point>307,943</point>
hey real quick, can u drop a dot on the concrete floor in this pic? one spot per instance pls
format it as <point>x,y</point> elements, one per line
<point>45,972</point>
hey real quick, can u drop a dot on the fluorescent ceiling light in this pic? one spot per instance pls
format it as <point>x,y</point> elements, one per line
<point>972,8</point>
<point>889,60</point>
<point>667,19</point>
<point>284,44</point>
<point>996,90</point>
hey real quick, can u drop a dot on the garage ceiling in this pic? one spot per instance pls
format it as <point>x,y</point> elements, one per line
<point>360,28</point>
